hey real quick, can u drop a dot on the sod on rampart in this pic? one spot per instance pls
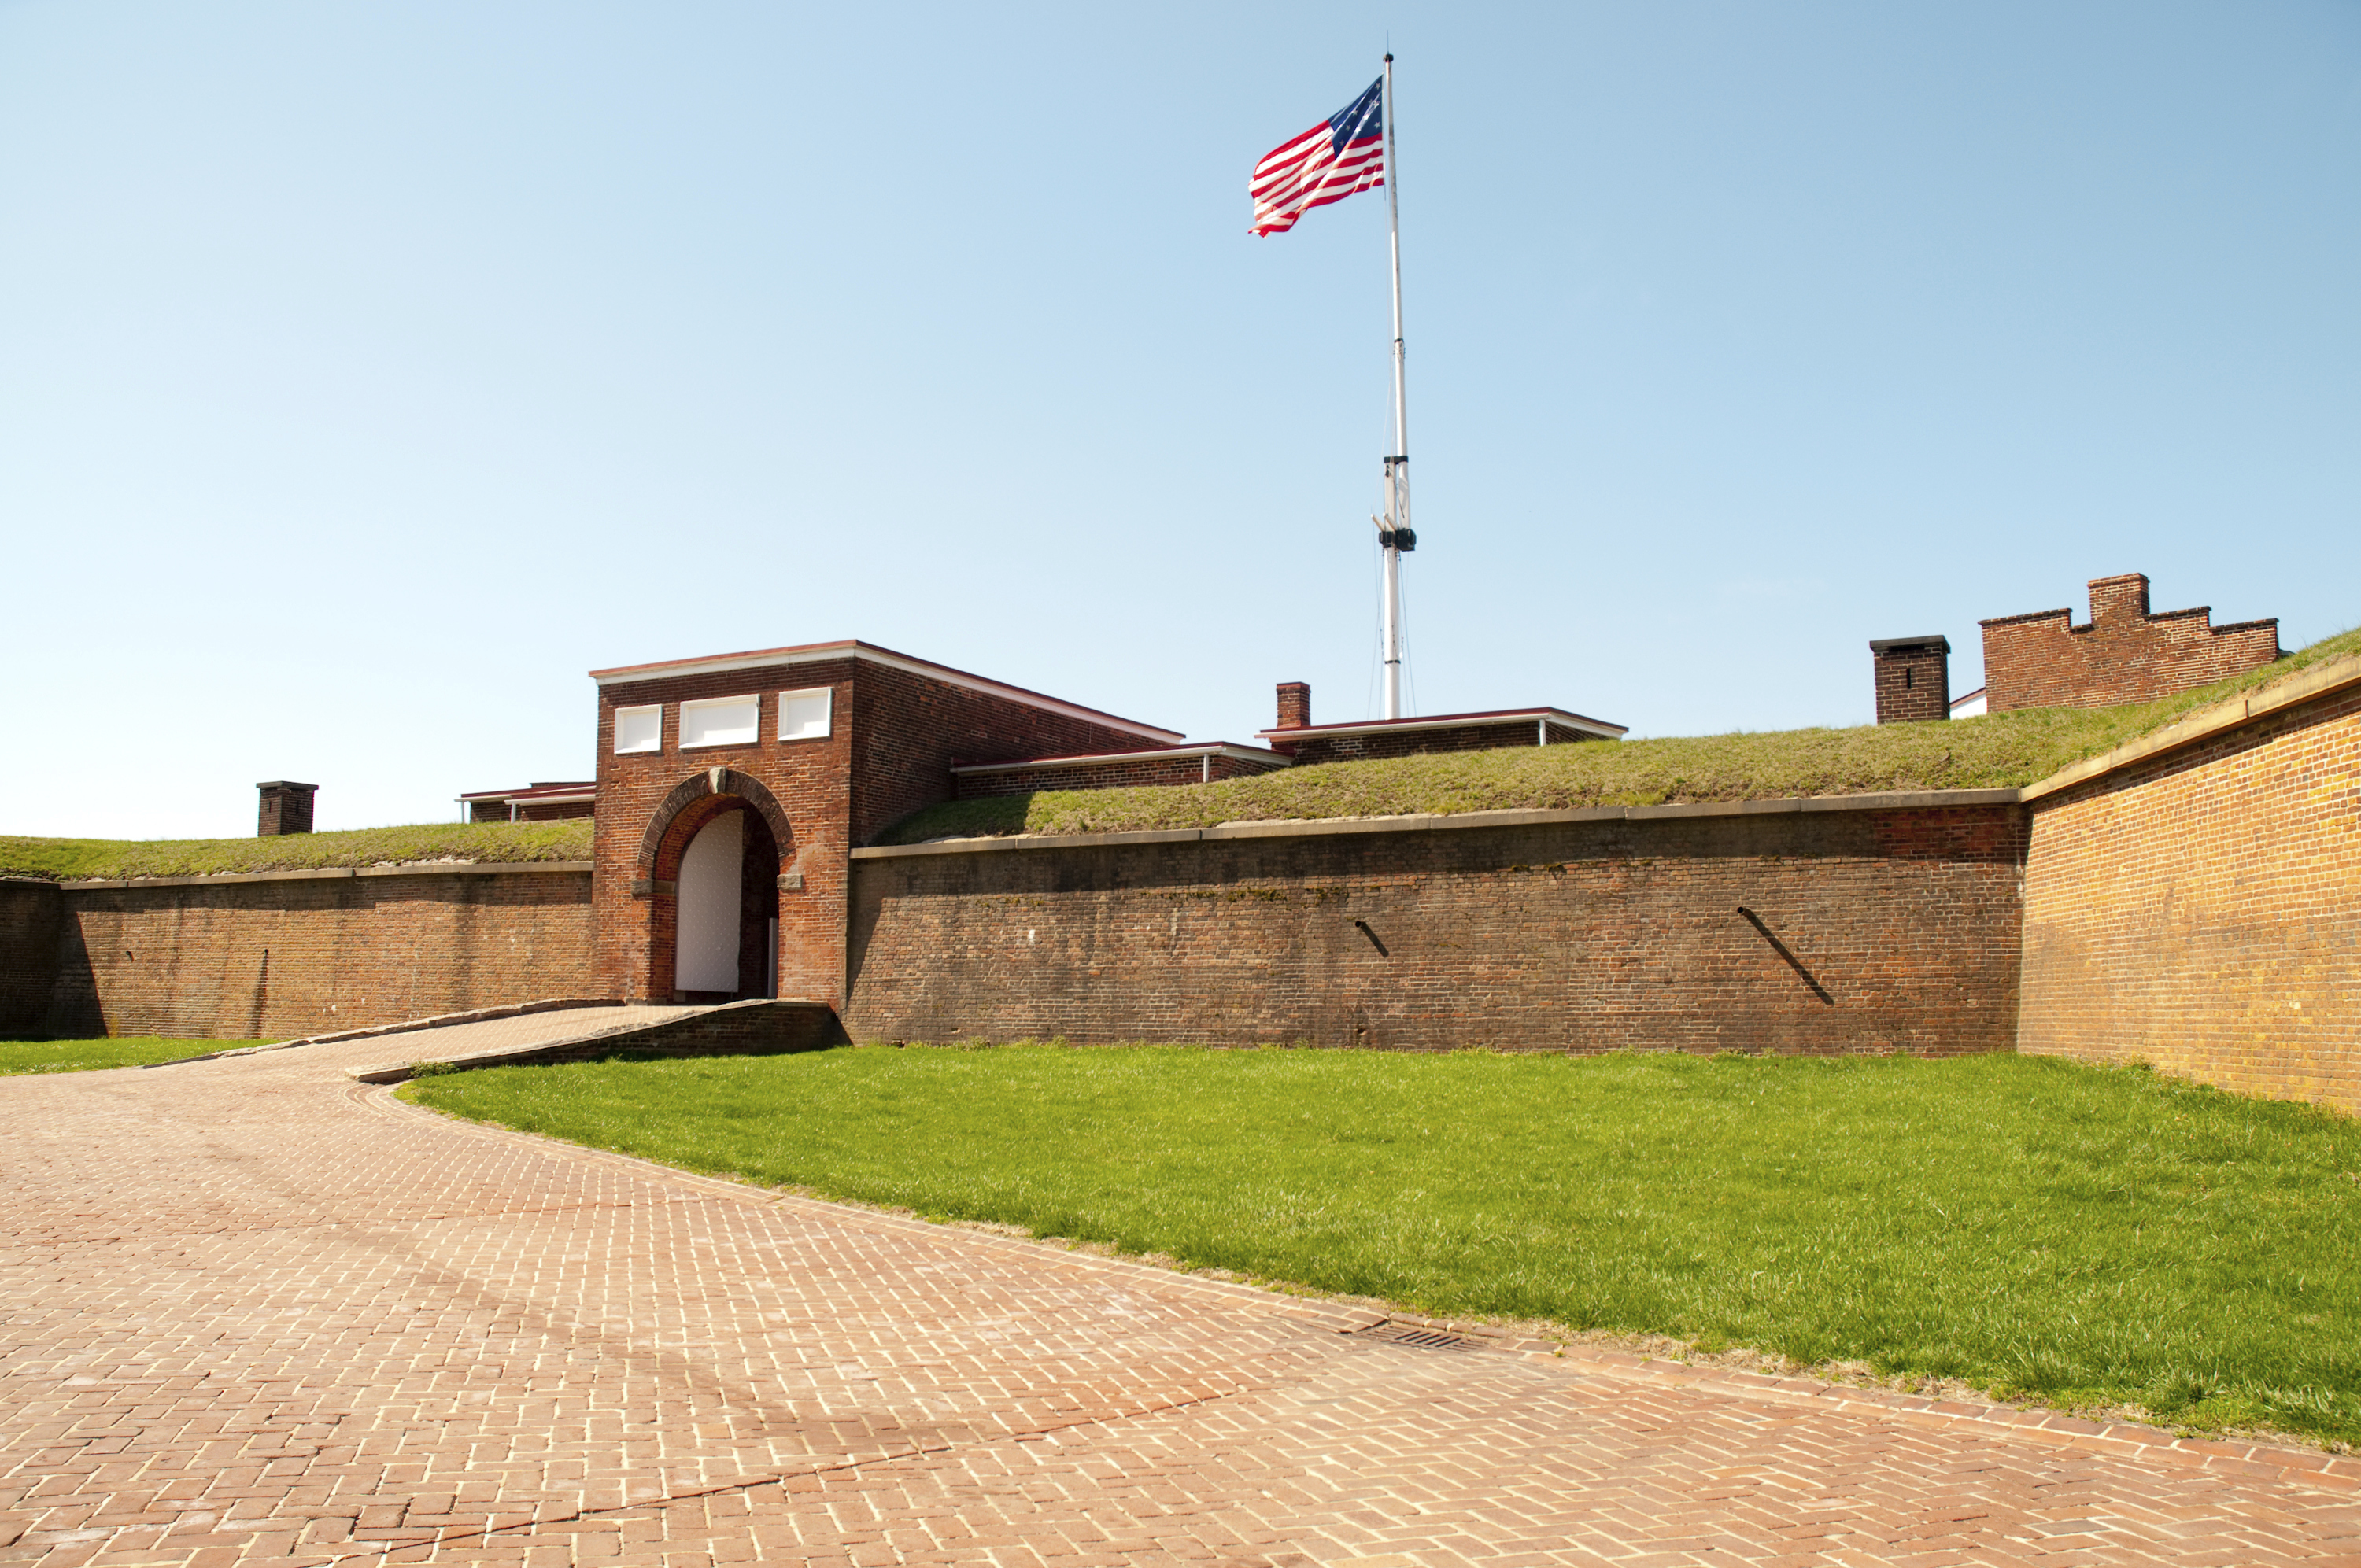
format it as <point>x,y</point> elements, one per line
<point>72,860</point>
<point>1999,750</point>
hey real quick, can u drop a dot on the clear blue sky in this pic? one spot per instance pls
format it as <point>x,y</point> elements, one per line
<point>369,373</point>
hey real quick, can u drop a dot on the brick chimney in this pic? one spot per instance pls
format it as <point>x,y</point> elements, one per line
<point>1913,678</point>
<point>1294,704</point>
<point>2115,601</point>
<point>286,807</point>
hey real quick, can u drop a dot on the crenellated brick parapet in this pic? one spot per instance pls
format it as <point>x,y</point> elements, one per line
<point>2124,654</point>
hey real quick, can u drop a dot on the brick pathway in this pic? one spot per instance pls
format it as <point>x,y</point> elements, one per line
<point>258,1314</point>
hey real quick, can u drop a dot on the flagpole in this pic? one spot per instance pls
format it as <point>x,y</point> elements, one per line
<point>1395,535</point>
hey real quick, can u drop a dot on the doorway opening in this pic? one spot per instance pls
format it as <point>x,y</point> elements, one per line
<point>726,932</point>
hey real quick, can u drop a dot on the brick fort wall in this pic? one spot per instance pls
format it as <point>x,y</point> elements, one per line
<point>1314,749</point>
<point>277,956</point>
<point>30,911</point>
<point>1133,771</point>
<point>2202,911</point>
<point>1666,929</point>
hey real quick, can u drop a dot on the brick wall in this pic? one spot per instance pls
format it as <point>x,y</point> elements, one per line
<point>290,954</point>
<point>1160,771</point>
<point>2124,654</point>
<point>30,910</point>
<point>2203,910</point>
<point>1410,743</point>
<point>529,810</point>
<point>1870,929</point>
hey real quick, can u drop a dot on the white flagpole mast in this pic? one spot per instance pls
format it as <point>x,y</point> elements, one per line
<point>1394,533</point>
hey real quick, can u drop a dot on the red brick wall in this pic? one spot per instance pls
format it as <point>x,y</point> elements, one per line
<point>894,734</point>
<point>2125,654</point>
<point>2202,911</point>
<point>1112,775</point>
<point>529,811</point>
<point>1585,936</point>
<point>1411,742</point>
<point>30,910</point>
<point>222,958</point>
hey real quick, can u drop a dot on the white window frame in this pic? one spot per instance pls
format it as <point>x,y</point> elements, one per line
<point>706,704</point>
<point>827,695</point>
<point>633,712</point>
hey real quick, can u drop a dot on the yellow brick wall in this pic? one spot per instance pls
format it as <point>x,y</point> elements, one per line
<point>2202,911</point>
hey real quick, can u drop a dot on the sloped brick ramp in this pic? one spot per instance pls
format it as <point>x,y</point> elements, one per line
<point>260,1313</point>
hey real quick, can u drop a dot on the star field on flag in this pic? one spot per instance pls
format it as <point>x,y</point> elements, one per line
<point>1342,154</point>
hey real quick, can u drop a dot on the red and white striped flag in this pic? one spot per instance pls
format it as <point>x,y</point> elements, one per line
<point>1342,154</point>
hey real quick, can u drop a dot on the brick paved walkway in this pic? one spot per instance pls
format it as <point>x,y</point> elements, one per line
<point>258,1314</point>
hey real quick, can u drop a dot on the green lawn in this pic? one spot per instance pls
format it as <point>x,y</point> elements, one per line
<point>2040,1229</point>
<point>67,860</point>
<point>1999,750</point>
<point>82,1055</point>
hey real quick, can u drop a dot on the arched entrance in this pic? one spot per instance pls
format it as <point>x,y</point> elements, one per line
<point>712,859</point>
<point>712,886</point>
<point>726,920</point>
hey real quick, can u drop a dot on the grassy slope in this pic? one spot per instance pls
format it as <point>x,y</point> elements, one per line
<point>67,860</point>
<point>2000,750</point>
<point>2082,1235</point>
<point>82,1056</point>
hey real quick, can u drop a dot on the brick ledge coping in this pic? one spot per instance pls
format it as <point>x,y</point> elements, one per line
<point>327,873</point>
<point>2126,1440</point>
<point>2332,675</point>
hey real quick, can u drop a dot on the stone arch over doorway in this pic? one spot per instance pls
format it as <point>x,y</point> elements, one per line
<point>703,786</point>
<point>710,860</point>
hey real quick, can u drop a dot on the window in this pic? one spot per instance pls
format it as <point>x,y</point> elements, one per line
<point>639,728</point>
<point>804,715</point>
<point>721,721</point>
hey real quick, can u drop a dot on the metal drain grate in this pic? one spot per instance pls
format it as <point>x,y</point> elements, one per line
<point>1425,1339</point>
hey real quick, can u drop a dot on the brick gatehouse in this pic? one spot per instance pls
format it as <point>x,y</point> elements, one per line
<point>731,789</point>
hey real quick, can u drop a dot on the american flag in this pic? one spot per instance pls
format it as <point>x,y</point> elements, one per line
<point>1342,154</point>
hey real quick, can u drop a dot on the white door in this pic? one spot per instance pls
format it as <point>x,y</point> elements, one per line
<point>705,957</point>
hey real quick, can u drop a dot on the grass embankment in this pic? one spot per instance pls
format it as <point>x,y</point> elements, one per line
<point>71,859</point>
<point>1999,750</point>
<point>2037,1228</point>
<point>84,1055</point>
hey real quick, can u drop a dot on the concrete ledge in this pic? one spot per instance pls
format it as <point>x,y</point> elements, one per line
<point>334,874</point>
<point>731,1028</point>
<point>2333,676</point>
<point>440,1020</point>
<point>1454,822</point>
